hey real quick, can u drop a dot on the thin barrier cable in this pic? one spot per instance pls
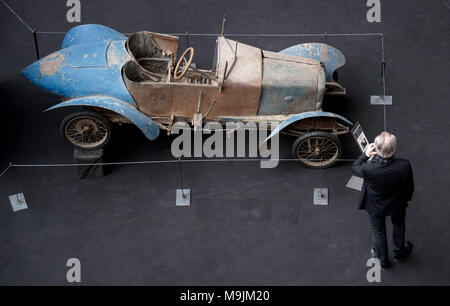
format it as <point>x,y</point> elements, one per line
<point>230,34</point>
<point>7,168</point>
<point>18,17</point>
<point>29,28</point>
<point>46,32</point>
<point>383,78</point>
<point>279,34</point>
<point>250,34</point>
<point>167,162</point>
<point>384,97</point>
<point>147,162</point>
<point>446,4</point>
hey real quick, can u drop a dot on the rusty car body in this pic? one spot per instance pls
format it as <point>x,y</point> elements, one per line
<point>139,79</point>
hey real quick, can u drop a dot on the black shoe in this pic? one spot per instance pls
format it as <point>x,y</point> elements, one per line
<point>384,265</point>
<point>404,254</point>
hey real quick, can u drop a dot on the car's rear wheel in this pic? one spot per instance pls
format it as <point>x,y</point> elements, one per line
<point>317,150</point>
<point>86,130</point>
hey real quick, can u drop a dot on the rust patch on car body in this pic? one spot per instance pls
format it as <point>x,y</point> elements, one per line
<point>227,89</point>
<point>49,66</point>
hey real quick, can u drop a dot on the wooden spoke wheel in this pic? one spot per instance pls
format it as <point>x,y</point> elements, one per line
<point>86,130</point>
<point>183,63</point>
<point>317,150</point>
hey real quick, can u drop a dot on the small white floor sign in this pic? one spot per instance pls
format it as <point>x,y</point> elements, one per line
<point>183,197</point>
<point>18,202</point>
<point>320,196</point>
<point>380,100</point>
<point>355,182</point>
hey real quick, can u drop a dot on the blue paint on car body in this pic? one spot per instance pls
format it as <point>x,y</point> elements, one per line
<point>331,57</point>
<point>144,123</point>
<point>290,87</point>
<point>83,70</point>
<point>90,33</point>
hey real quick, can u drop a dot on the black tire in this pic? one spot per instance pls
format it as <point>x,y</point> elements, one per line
<point>86,130</point>
<point>336,76</point>
<point>317,150</point>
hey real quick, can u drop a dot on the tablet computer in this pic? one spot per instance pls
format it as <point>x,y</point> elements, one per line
<point>360,137</point>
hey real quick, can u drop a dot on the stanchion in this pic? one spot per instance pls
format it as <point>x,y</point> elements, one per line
<point>183,195</point>
<point>36,46</point>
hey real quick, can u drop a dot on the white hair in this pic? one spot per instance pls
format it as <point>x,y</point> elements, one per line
<point>385,144</point>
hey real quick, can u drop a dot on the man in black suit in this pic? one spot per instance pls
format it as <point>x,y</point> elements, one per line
<point>387,190</point>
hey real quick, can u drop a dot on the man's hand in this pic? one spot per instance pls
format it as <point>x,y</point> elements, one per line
<point>409,202</point>
<point>370,150</point>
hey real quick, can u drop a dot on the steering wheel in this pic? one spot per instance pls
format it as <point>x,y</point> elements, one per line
<point>179,72</point>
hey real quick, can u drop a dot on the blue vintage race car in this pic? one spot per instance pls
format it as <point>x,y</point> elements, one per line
<point>139,79</point>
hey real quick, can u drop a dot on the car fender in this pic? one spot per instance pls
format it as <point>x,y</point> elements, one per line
<point>302,116</point>
<point>144,123</point>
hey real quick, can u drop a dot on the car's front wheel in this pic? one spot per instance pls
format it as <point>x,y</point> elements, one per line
<point>86,130</point>
<point>317,150</point>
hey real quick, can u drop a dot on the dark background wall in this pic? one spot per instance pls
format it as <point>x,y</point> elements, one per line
<point>246,225</point>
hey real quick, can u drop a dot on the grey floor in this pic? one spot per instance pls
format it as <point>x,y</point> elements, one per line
<point>246,225</point>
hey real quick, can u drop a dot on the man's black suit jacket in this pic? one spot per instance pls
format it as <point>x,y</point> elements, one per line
<point>388,185</point>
